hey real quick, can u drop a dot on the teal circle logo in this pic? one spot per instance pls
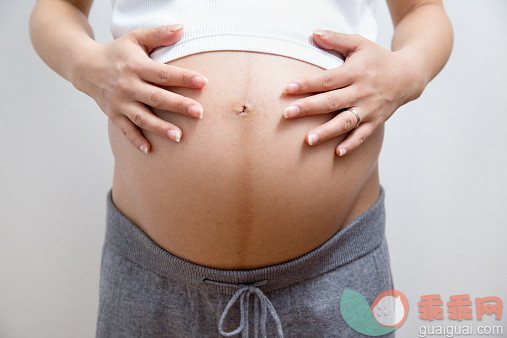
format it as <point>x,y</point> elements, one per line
<point>387,312</point>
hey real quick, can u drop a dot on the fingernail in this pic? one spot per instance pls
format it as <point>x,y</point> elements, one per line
<point>291,87</point>
<point>144,149</point>
<point>195,111</point>
<point>291,111</point>
<point>174,135</point>
<point>175,28</point>
<point>199,81</point>
<point>319,32</point>
<point>342,152</point>
<point>313,138</point>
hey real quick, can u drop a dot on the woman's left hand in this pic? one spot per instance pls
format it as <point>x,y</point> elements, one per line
<point>373,80</point>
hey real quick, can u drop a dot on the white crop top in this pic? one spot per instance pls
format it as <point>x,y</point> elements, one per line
<point>281,27</point>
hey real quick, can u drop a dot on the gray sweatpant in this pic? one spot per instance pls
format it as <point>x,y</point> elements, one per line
<point>146,291</point>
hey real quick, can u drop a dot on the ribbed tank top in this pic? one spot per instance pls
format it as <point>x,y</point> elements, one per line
<point>280,27</point>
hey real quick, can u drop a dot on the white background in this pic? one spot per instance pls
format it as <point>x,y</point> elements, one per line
<point>443,166</point>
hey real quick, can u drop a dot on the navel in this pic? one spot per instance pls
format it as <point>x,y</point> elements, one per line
<point>244,109</point>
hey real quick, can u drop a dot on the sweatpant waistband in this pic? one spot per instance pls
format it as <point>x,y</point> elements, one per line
<point>361,236</point>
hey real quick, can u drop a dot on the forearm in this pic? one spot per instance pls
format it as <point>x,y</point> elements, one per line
<point>425,34</point>
<point>60,33</point>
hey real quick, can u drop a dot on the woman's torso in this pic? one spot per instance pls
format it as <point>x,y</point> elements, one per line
<point>243,189</point>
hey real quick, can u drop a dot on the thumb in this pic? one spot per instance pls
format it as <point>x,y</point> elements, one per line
<point>151,38</point>
<point>341,42</point>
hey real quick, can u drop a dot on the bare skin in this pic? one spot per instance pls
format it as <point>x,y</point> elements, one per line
<point>242,189</point>
<point>244,186</point>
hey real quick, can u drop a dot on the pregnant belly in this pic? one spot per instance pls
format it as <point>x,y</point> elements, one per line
<point>242,189</point>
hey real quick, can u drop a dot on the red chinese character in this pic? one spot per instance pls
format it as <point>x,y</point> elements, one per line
<point>481,308</point>
<point>430,307</point>
<point>459,307</point>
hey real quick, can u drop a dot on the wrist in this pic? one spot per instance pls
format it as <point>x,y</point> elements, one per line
<point>414,64</point>
<point>82,55</point>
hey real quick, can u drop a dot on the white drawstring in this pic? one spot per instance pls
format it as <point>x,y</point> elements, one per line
<point>245,290</point>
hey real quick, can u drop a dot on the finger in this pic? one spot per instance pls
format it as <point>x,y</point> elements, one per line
<point>326,102</point>
<point>340,124</point>
<point>151,38</point>
<point>327,80</point>
<point>355,138</point>
<point>144,118</point>
<point>341,42</point>
<point>171,76</point>
<point>132,133</point>
<point>163,99</point>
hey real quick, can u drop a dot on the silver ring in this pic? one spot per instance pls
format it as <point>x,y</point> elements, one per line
<point>357,117</point>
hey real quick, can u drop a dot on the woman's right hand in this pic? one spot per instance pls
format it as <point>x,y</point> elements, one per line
<point>122,78</point>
